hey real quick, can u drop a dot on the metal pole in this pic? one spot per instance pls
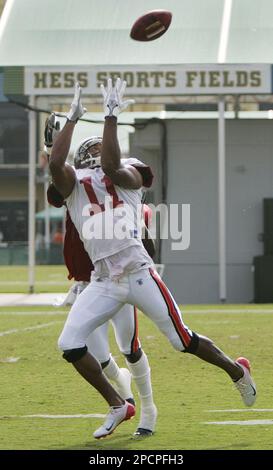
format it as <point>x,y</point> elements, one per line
<point>222,200</point>
<point>31,196</point>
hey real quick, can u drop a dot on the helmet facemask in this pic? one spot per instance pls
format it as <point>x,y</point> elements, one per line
<point>83,157</point>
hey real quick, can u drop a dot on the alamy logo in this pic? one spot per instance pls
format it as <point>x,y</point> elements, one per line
<point>108,222</point>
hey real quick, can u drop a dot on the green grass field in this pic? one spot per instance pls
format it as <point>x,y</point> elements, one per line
<point>47,279</point>
<point>187,391</point>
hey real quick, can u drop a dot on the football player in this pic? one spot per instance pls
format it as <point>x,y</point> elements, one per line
<point>109,196</point>
<point>125,322</point>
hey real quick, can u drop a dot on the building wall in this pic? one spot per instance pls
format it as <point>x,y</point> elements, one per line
<point>192,275</point>
<point>16,189</point>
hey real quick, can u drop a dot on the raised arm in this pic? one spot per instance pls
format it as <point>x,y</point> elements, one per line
<point>126,177</point>
<point>63,175</point>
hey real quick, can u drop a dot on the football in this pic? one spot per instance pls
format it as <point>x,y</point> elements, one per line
<point>151,26</point>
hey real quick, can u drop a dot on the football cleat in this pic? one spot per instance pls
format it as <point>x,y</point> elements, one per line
<point>116,415</point>
<point>147,422</point>
<point>246,385</point>
<point>142,433</point>
<point>132,401</point>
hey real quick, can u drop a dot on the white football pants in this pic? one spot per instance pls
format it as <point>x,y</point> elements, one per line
<point>103,298</point>
<point>125,324</point>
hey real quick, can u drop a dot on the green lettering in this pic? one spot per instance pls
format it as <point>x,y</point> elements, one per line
<point>170,79</point>
<point>214,78</point>
<point>191,76</point>
<point>156,76</point>
<point>241,78</point>
<point>40,80</point>
<point>101,79</point>
<point>255,78</point>
<point>227,80</point>
<point>129,77</point>
<point>142,80</point>
<point>69,81</point>
<point>114,76</point>
<point>202,78</point>
<point>82,78</point>
<point>55,80</point>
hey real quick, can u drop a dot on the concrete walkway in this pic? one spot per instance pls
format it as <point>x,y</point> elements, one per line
<point>10,300</point>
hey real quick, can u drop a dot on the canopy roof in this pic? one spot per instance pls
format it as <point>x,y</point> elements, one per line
<point>96,32</point>
<point>54,213</point>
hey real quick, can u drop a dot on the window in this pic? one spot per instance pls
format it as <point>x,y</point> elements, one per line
<point>14,221</point>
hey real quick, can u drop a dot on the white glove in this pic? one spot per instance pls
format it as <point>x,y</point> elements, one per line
<point>72,295</point>
<point>77,110</point>
<point>112,98</point>
<point>52,129</point>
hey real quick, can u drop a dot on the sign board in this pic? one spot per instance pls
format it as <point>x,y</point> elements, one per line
<point>192,79</point>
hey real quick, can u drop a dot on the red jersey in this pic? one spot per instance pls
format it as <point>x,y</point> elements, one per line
<point>76,258</point>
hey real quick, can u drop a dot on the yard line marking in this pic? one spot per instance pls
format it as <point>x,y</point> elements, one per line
<point>38,312</point>
<point>94,415</point>
<point>10,360</point>
<point>226,310</point>
<point>55,310</point>
<point>25,283</point>
<point>28,328</point>
<point>262,410</point>
<point>253,422</point>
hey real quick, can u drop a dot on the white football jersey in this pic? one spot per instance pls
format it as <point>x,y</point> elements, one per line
<point>107,217</point>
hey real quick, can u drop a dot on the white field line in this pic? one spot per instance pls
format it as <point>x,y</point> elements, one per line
<point>35,312</point>
<point>96,415</point>
<point>25,283</point>
<point>250,410</point>
<point>9,360</point>
<point>56,311</point>
<point>29,328</point>
<point>253,422</point>
<point>226,310</point>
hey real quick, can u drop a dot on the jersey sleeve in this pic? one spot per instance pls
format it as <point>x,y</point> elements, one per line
<point>143,169</point>
<point>147,175</point>
<point>54,197</point>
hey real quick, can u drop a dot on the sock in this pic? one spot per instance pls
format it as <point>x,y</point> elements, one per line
<point>141,374</point>
<point>120,377</point>
<point>112,370</point>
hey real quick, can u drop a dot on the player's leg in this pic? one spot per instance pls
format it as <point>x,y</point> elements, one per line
<point>164,311</point>
<point>98,345</point>
<point>91,309</point>
<point>125,324</point>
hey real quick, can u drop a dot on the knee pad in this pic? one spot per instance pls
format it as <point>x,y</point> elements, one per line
<point>193,346</point>
<point>134,357</point>
<point>73,355</point>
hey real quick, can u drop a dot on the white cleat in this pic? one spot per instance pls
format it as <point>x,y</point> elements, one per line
<point>147,423</point>
<point>116,415</point>
<point>123,385</point>
<point>246,385</point>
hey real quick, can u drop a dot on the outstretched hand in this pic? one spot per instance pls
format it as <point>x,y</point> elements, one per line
<point>112,97</point>
<point>52,129</point>
<point>77,110</point>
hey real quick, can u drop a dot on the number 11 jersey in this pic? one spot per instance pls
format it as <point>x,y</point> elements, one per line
<point>107,217</point>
